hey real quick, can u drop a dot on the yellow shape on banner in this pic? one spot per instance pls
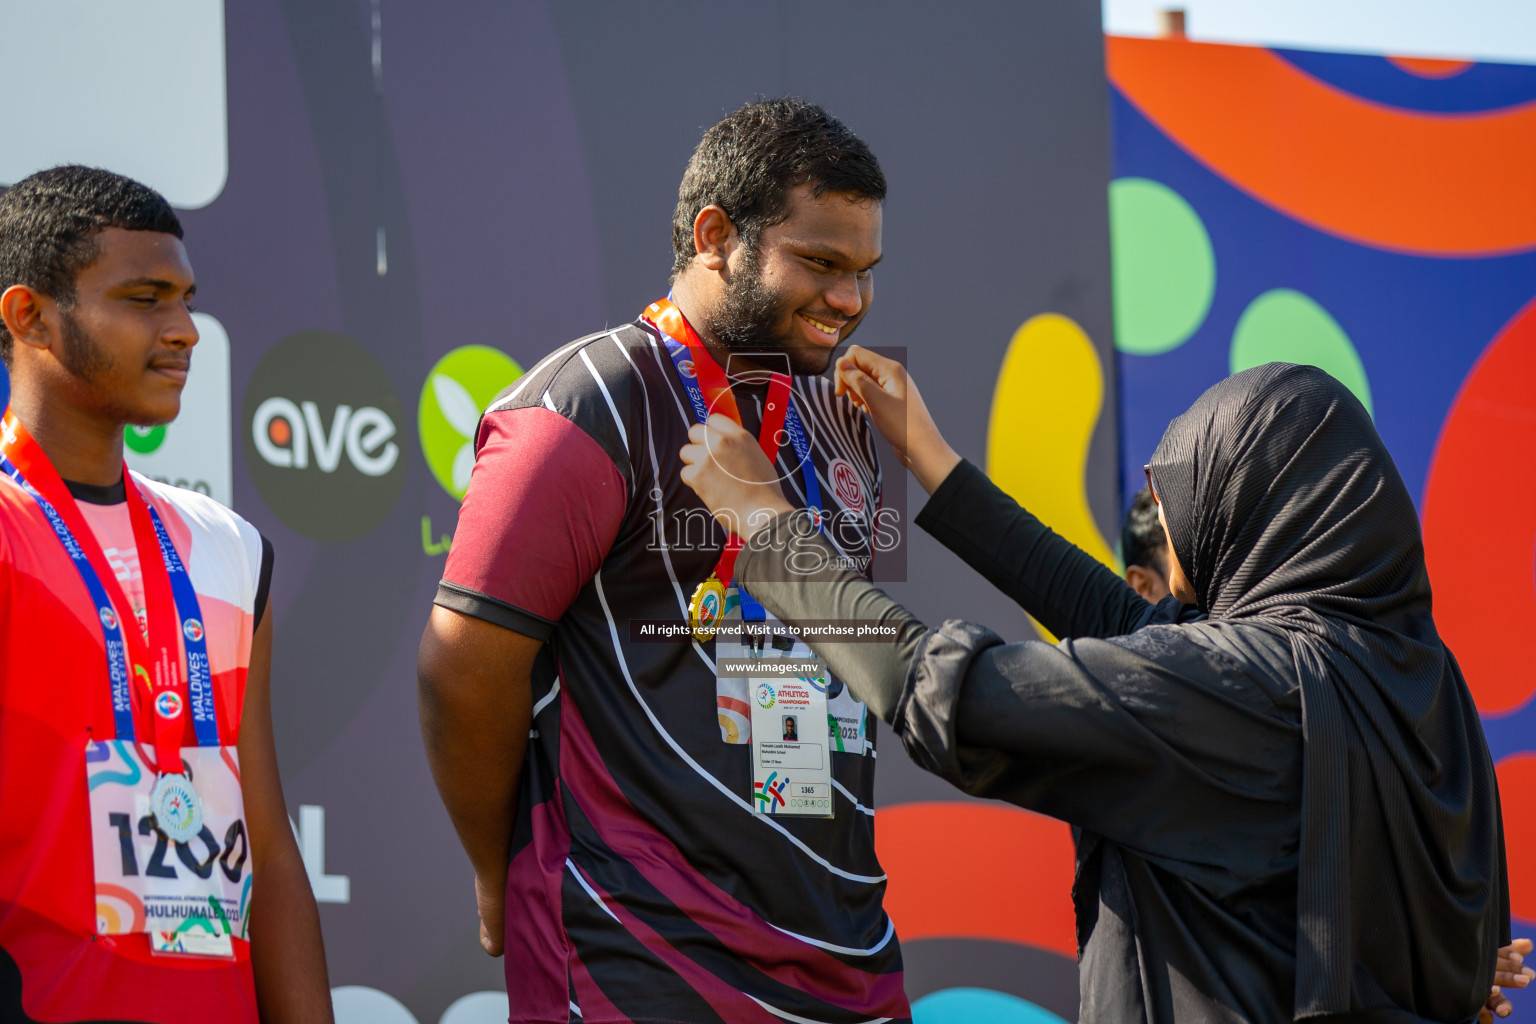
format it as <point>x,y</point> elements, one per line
<point>1050,391</point>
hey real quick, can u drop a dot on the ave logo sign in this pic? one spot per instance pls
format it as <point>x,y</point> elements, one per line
<point>321,438</point>
<point>285,433</point>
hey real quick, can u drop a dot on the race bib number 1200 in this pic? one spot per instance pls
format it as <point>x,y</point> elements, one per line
<point>192,897</point>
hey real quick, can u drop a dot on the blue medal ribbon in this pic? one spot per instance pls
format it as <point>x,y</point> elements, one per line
<point>194,637</point>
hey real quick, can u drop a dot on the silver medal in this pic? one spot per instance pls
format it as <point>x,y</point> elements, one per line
<point>177,808</point>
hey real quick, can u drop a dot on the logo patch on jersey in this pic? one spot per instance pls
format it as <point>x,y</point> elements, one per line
<point>108,619</point>
<point>457,391</point>
<point>766,697</point>
<point>168,704</point>
<point>193,629</point>
<point>845,480</point>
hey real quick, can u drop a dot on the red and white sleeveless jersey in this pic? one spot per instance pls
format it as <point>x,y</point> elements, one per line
<point>54,695</point>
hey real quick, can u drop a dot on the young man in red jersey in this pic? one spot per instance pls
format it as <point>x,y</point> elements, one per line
<point>147,868</point>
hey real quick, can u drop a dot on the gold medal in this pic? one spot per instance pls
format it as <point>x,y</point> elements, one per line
<point>707,608</point>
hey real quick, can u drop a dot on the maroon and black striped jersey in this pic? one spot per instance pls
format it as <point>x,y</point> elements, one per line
<point>643,886</point>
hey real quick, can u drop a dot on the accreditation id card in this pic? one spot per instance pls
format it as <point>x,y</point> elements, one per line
<point>786,686</point>
<point>791,769</point>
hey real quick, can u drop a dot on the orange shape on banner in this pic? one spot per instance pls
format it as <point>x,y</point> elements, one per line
<point>1433,184</point>
<point>1431,67</point>
<point>1480,520</point>
<point>978,871</point>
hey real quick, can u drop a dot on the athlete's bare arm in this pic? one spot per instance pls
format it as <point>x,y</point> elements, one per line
<point>286,952</point>
<point>474,689</point>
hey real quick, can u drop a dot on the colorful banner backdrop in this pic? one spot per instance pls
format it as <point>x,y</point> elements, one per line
<point>1372,216</point>
<point>395,209</point>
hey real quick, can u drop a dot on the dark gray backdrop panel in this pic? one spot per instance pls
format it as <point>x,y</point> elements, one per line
<point>522,160</point>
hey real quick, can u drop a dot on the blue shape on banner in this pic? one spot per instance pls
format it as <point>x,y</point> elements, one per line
<point>966,1005</point>
<point>1480,87</point>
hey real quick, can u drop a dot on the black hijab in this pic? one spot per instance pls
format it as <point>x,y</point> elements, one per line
<point>1287,513</point>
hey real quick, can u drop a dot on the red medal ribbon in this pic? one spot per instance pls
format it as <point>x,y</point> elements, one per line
<point>664,315</point>
<point>156,660</point>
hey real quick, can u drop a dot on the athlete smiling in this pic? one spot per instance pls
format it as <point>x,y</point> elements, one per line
<point>624,857</point>
<point>147,868</point>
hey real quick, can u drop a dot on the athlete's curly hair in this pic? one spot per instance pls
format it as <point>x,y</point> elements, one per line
<point>748,163</point>
<point>49,222</point>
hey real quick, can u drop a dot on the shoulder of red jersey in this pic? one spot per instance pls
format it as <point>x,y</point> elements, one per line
<point>225,557</point>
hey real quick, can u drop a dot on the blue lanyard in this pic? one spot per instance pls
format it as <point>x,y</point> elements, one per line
<point>751,611</point>
<point>199,676</point>
<point>205,719</point>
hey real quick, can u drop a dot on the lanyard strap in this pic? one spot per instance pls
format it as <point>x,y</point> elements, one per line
<point>157,658</point>
<point>194,638</point>
<point>709,391</point>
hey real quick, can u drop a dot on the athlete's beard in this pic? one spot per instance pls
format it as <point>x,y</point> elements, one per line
<point>80,354</point>
<point>749,316</point>
<point>89,363</point>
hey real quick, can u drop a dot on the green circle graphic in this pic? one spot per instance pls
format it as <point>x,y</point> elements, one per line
<point>456,392</point>
<point>1163,266</point>
<point>144,439</point>
<point>1285,326</point>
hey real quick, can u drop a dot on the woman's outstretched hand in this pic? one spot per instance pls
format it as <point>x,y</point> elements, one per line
<point>884,390</point>
<point>730,473</point>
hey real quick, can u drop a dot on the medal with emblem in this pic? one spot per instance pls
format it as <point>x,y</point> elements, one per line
<point>707,608</point>
<point>177,808</point>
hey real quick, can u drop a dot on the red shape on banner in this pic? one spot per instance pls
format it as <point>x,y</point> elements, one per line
<point>1480,520</point>
<point>978,871</point>
<point>1517,778</point>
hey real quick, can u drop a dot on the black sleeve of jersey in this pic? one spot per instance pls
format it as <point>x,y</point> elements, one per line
<point>263,582</point>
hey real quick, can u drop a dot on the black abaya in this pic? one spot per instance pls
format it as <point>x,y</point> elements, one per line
<point>1287,810</point>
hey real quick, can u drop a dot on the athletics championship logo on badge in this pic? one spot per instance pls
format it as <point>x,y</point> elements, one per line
<point>846,480</point>
<point>168,705</point>
<point>193,629</point>
<point>458,389</point>
<point>770,793</point>
<point>766,698</point>
<point>108,619</point>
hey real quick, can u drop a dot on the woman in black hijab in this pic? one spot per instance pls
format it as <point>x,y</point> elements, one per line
<point>1287,809</point>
